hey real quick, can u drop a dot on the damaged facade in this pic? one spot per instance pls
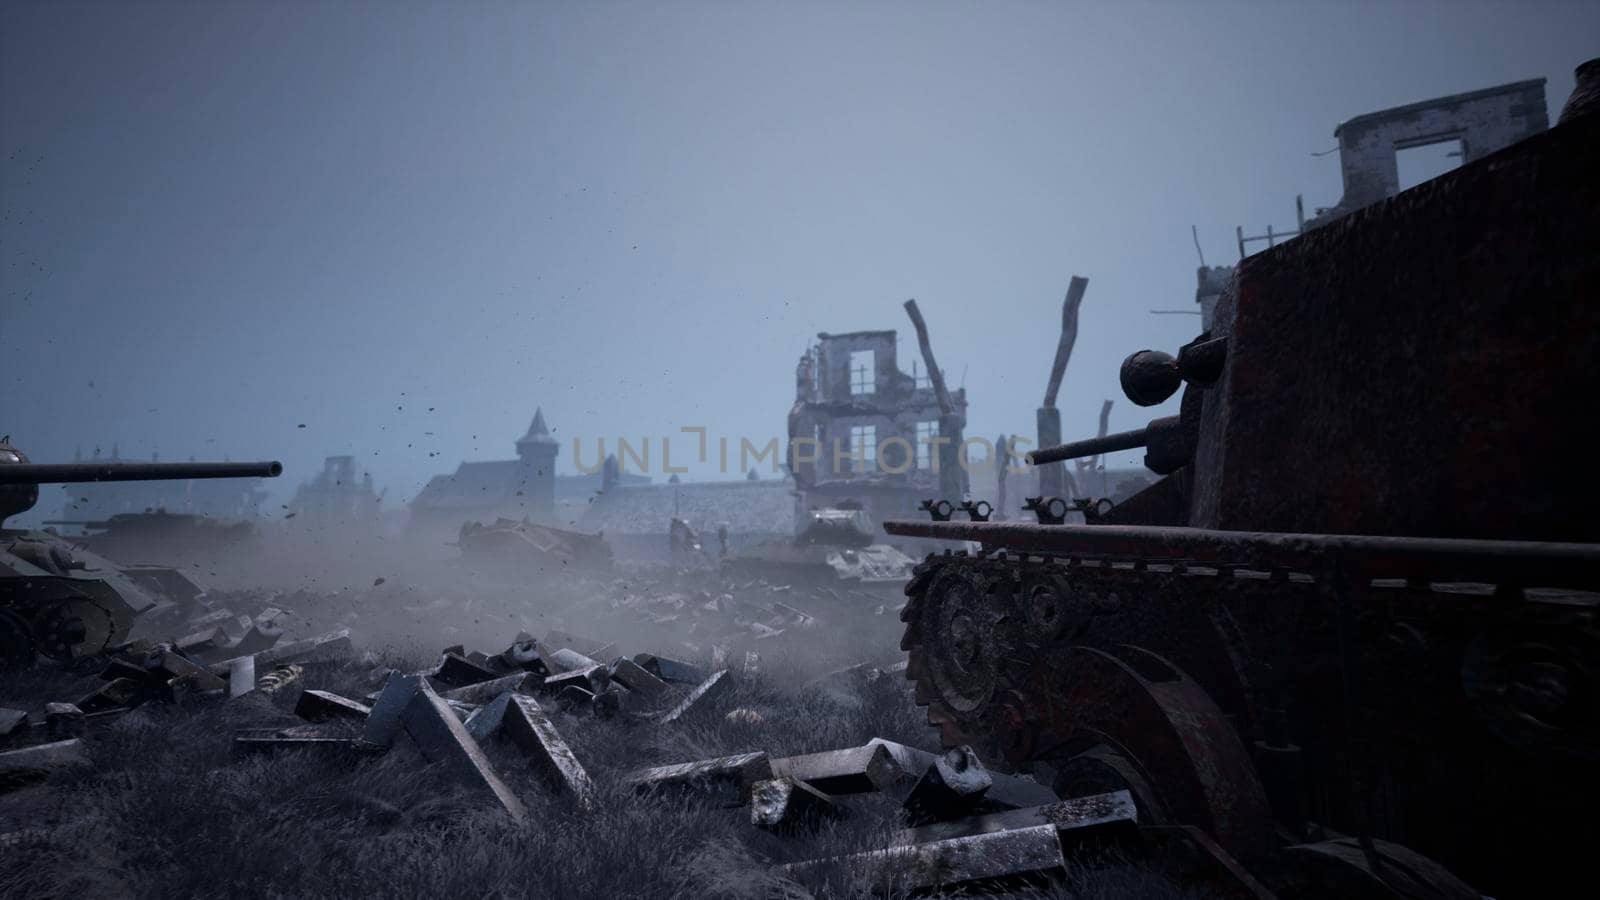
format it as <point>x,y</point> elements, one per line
<point>863,430</point>
<point>339,494</point>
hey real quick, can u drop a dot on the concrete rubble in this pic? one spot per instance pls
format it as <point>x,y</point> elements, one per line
<point>960,824</point>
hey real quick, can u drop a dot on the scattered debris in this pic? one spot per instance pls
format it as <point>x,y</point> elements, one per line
<point>728,779</point>
<point>320,706</point>
<point>784,804</point>
<point>857,770</point>
<point>442,738</point>
<point>708,690</point>
<point>950,788</point>
<point>525,723</point>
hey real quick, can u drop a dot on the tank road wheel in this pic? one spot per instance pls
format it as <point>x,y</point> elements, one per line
<point>1146,726</point>
<point>1537,688</point>
<point>953,638</point>
<point>73,629</point>
<point>16,643</point>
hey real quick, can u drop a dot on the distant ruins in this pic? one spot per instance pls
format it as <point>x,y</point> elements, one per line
<point>1477,122</point>
<point>338,495</point>
<point>872,431</point>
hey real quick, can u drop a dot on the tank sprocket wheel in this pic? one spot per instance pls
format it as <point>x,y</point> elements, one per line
<point>16,643</point>
<point>72,629</point>
<point>955,643</point>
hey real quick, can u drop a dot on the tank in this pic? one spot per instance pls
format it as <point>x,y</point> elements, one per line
<point>1352,633</point>
<point>66,602</point>
<point>157,534</point>
<point>836,544</point>
<point>522,546</point>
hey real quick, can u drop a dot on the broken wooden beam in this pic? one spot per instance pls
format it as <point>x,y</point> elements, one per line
<point>726,778</point>
<point>784,804</point>
<point>442,738</point>
<point>706,691</point>
<point>855,770</point>
<point>525,723</point>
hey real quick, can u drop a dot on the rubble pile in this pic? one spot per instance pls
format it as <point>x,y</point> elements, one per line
<point>959,824</point>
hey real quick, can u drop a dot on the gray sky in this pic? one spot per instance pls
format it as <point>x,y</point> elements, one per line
<point>406,225</point>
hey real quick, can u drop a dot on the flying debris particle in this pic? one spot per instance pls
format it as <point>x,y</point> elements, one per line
<point>378,581</point>
<point>289,516</point>
<point>301,425</point>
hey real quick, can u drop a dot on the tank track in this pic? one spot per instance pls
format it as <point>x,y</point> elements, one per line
<point>1215,692</point>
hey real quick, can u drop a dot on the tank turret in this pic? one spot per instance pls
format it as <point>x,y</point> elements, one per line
<point>63,601</point>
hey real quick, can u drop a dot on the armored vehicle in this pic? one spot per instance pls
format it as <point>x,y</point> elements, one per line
<point>157,534</point>
<point>1355,626</point>
<point>65,602</point>
<point>836,544</point>
<point>523,545</point>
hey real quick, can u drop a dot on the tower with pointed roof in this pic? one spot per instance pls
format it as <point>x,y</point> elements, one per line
<point>537,475</point>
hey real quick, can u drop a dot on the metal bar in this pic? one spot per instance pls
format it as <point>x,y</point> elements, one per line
<point>1110,443</point>
<point>75,473</point>
<point>1525,563</point>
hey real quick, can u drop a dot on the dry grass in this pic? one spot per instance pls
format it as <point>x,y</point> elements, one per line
<point>167,811</point>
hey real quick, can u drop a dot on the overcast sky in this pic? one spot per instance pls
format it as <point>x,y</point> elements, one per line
<point>406,225</point>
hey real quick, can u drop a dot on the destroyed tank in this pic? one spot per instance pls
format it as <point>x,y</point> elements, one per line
<point>67,603</point>
<point>1352,634</point>
<point>523,545</point>
<point>836,544</point>
<point>156,533</point>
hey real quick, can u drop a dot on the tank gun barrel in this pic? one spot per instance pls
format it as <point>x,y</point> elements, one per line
<point>1111,443</point>
<point>75,473</point>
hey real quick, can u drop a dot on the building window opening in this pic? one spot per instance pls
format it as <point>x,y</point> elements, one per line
<point>864,447</point>
<point>1426,162</point>
<point>926,432</point>
<point>863,372</point>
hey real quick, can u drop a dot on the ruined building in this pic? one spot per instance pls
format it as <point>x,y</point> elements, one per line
<point>338,495</point>
<point>519,488</point>
<point>1471,125</point>
<point>863,430</point>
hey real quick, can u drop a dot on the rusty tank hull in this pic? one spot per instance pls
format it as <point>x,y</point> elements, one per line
<point>1357,622</point>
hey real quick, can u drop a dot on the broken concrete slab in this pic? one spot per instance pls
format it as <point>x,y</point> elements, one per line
<point>279,680</point>
<point>728,779</point>
<point>212,640</point>
<point>485,691</point>
<point>704,693</point>
<point>784,804</point>
<point>569,660</point>
<point>638,680</point>
<point>525,723</point>
<point>670,670</point>
<point>951,788</point>
<point>63,720</point>
<point>442,738</point>
<point>278,742</point>
<point>11,719</point>
<point>122,692</point>
<point>948,863</point>
<point>25,761</point>
<point>320,706</point>
<point>169,664</point>
<point>574,699</point>
<point>1111,817</point>
<point>455,671</point>
<point>593,679</point>
<point>323,648</point>
<point>241,676</point>
<point>856,770</point>
<point>486,720</point>
<point>383,723</point>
